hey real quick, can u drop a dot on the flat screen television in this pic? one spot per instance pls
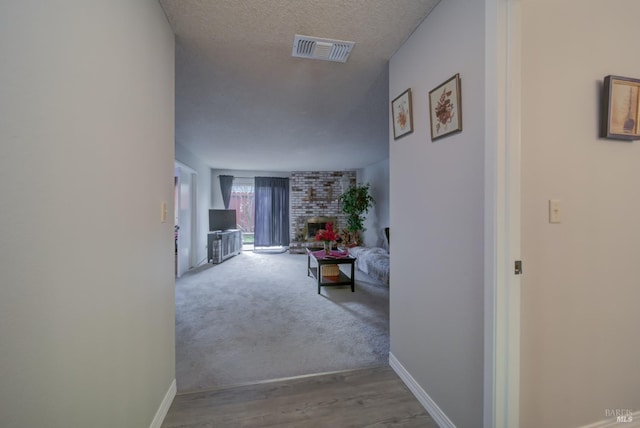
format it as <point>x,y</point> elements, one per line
<point>222,220</point>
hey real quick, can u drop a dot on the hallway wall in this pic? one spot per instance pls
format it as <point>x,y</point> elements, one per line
<point>580,288</point>
<point>437,216</point>
<point>86,160</point>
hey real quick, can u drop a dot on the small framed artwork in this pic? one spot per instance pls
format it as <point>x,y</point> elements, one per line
<point>445,107</point>
<point>620,109</point>
<point>402,115</point>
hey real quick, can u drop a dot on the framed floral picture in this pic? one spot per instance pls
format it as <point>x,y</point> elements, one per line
<point>621,108</point>
<point>401,111</point>
<point>445,107</point>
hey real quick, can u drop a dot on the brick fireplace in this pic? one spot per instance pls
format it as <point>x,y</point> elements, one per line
<point>313,224</point>
<point>314,194</point>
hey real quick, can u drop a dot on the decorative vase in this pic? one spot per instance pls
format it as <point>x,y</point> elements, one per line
<point>327,247</point>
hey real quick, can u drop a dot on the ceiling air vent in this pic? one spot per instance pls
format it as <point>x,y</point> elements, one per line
<point>324,49</point>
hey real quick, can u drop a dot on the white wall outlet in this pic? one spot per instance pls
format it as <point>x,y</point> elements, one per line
<point>555,214</point>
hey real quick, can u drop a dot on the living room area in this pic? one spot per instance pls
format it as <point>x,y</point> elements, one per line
<point>321,125</point>
<point>256,316</point>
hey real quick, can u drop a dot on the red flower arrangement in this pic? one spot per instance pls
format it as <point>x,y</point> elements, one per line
<point>327,234</point>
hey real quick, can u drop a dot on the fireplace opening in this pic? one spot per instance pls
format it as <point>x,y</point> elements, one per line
<point>316,223</point>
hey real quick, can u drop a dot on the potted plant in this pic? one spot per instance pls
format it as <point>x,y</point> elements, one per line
<point>356,202</point>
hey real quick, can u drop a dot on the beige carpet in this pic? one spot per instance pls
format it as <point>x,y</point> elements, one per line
<point>258,317</point>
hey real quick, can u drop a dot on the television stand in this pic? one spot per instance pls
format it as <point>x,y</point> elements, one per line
<point>223,244</point>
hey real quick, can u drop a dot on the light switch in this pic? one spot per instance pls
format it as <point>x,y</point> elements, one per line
<point>555,214</point>
<point>163,212</point>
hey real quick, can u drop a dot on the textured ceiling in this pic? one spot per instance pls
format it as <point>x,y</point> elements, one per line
<point>243,102</point>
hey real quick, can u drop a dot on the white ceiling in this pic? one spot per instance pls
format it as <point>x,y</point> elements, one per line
<point>243,102</point>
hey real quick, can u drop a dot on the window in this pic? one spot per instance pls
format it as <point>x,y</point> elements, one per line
<point>242,200</point>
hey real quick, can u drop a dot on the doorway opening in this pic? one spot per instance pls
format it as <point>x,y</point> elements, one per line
<point>184,218</point>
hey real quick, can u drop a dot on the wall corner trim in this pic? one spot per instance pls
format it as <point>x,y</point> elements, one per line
<point>432,408</point>
<point>164,406</point>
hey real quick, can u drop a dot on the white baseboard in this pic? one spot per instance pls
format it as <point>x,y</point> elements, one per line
<point>633,422</point>
<point>164,406</point>
<point>432,408</point>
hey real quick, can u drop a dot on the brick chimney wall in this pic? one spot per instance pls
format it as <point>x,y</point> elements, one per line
<point>316,193</point>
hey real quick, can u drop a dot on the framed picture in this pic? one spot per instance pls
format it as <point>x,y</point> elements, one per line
<point>402,115</point>
<point>620,111</point>
<point>445,108</point>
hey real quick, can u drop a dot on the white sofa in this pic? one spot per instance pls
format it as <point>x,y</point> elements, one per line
<point>374,261</point>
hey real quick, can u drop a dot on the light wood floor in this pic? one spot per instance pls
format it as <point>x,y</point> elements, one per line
<point>358,398</point>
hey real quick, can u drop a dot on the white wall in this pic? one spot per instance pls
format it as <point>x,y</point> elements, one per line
<point>377,175</point>
<point>437,220</point>
<point>203,197</point>
<point>580,288</point>
<point>86,158</point>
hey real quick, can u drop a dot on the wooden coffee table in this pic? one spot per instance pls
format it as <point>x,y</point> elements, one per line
<point>334,258</point>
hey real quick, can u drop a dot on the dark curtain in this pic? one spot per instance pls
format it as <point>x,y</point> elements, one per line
<point>272,211</point>
<point>226,181</point>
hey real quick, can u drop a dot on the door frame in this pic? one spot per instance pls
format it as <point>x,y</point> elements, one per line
<point>191,212</point>
<point>502,213</point>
